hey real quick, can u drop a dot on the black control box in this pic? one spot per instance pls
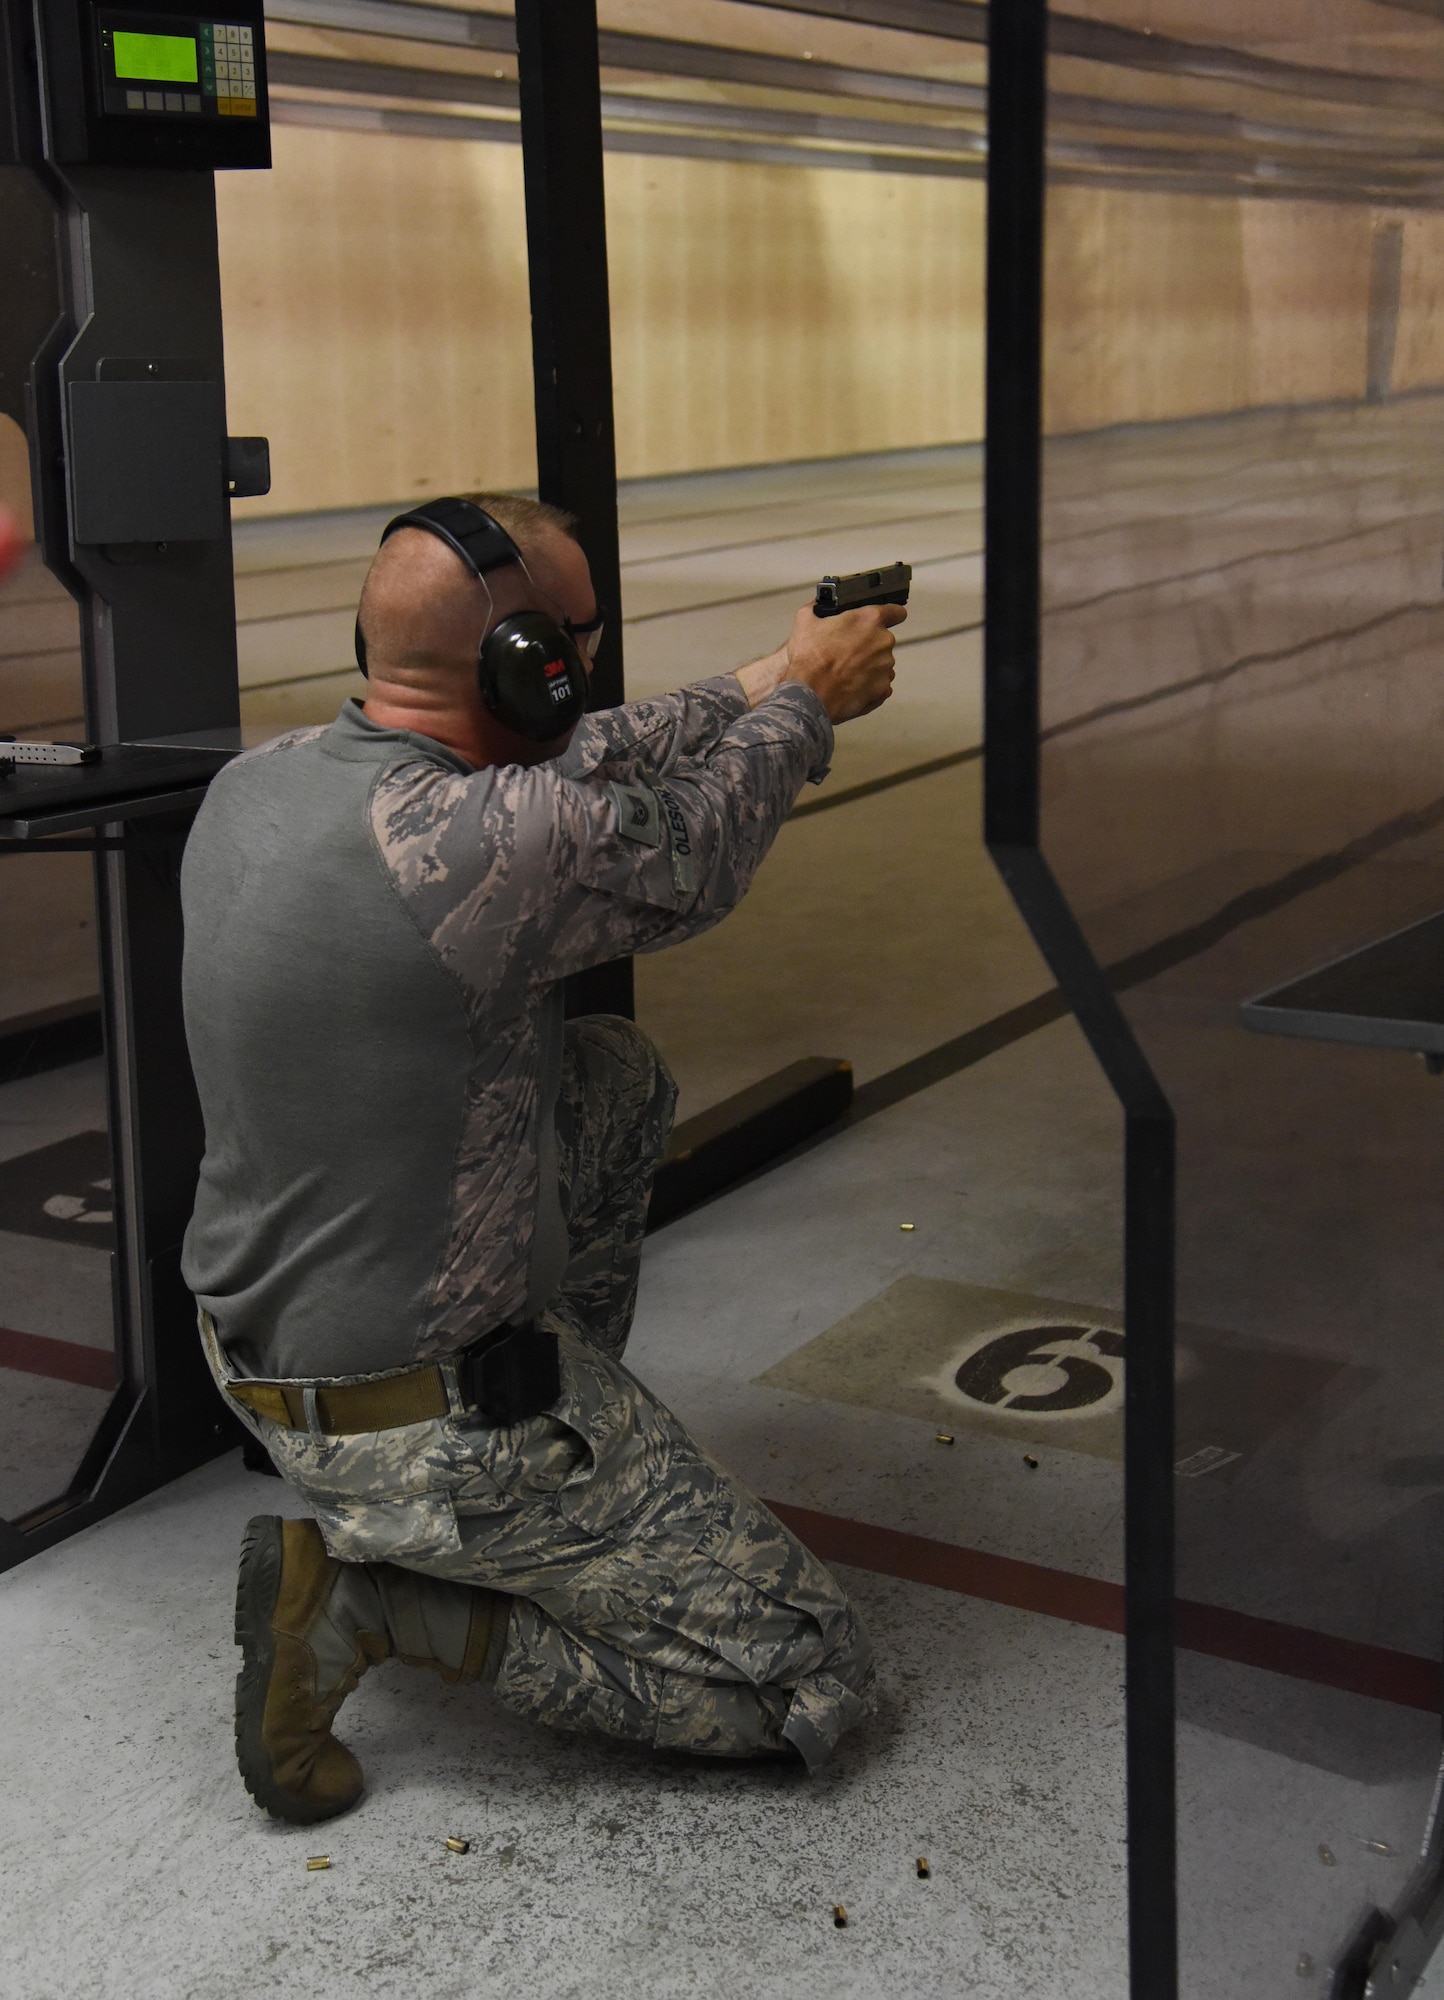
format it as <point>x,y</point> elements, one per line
<point>142,85</point>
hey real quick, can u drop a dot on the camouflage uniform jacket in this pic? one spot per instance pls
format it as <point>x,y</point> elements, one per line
<point>375,938</point>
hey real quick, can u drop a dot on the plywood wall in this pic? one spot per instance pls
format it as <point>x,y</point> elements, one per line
<point>1166,305</point>
<point>377,324</point>
<point>376,317</point>
<point>762,313</point>
<point>1419,350</point>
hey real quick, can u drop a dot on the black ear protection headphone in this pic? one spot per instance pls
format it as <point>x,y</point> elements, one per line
<point>530,669</point>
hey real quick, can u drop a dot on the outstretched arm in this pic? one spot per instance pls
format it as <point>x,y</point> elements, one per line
<point>519,875</point>
<point>666,856</point>
<point>661,732</point>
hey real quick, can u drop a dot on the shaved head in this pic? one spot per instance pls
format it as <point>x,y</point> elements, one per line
<point>423,614</point>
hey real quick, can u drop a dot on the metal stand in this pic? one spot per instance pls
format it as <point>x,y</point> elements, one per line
<point>133,811</point>
<point>112,359</point>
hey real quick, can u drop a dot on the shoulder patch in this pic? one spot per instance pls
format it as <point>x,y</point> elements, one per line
<point>639,817</point>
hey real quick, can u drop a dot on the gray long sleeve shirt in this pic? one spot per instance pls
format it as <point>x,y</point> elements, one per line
<point>375,939</point>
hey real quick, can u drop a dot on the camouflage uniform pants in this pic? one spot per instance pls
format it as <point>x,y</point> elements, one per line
<point>654,1599</point>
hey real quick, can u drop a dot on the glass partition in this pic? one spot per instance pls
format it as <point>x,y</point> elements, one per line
<point>910,1339</point>
<point>1241,714</point>
<point>59,1367</point>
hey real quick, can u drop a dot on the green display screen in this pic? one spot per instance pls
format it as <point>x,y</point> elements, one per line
<point>155,58</point>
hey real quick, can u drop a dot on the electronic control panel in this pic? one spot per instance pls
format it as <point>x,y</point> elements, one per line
<point>143,85</point>
<point>175,68</point>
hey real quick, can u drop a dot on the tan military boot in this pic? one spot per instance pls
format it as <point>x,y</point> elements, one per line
<point>309,1627</point>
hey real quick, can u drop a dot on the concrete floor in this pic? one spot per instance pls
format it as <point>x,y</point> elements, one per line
<point>1244,621</point>
<point>134,1865</point>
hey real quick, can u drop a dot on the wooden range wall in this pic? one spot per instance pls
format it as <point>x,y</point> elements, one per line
<point>378,329</point>
<point>1162,306</point>
<point>377,326</point>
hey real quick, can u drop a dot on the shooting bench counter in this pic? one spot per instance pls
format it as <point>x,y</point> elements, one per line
<point>129,781</point>
<point>1388,995</point>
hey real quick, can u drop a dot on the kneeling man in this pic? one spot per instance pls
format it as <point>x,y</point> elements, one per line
<point>419,1224</point>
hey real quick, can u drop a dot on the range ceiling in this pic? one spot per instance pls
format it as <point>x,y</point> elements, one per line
<point>1238,97</point>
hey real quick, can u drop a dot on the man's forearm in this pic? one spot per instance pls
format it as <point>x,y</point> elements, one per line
<point>763,677</point>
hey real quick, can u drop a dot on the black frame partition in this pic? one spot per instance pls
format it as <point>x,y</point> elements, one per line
<point>559,75</point>
<point>118,289</point>
<point>1017,104</point>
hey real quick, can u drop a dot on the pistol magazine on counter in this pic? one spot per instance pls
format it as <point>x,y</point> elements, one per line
<point>867,586</point>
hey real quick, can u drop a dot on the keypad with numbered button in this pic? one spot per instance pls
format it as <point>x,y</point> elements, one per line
<point>228,67</point>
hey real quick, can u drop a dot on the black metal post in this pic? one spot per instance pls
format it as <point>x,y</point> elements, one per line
<point>1012,490</point>
<point>1017,92</point>
<point>566,232</point>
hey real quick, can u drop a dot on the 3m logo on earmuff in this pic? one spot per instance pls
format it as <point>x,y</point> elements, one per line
<point>559,685</point>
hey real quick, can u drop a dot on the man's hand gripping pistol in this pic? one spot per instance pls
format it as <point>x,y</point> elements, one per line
<point>849,666</point>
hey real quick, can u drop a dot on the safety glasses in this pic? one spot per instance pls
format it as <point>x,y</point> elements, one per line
<point>588,635</point>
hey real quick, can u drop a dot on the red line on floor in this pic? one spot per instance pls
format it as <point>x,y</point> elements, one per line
<point>59,1360</point>
<point>1406,1679</point>
<point>1348,1664</point>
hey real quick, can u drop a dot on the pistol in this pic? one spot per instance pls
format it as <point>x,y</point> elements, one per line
<point>867,586</point>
